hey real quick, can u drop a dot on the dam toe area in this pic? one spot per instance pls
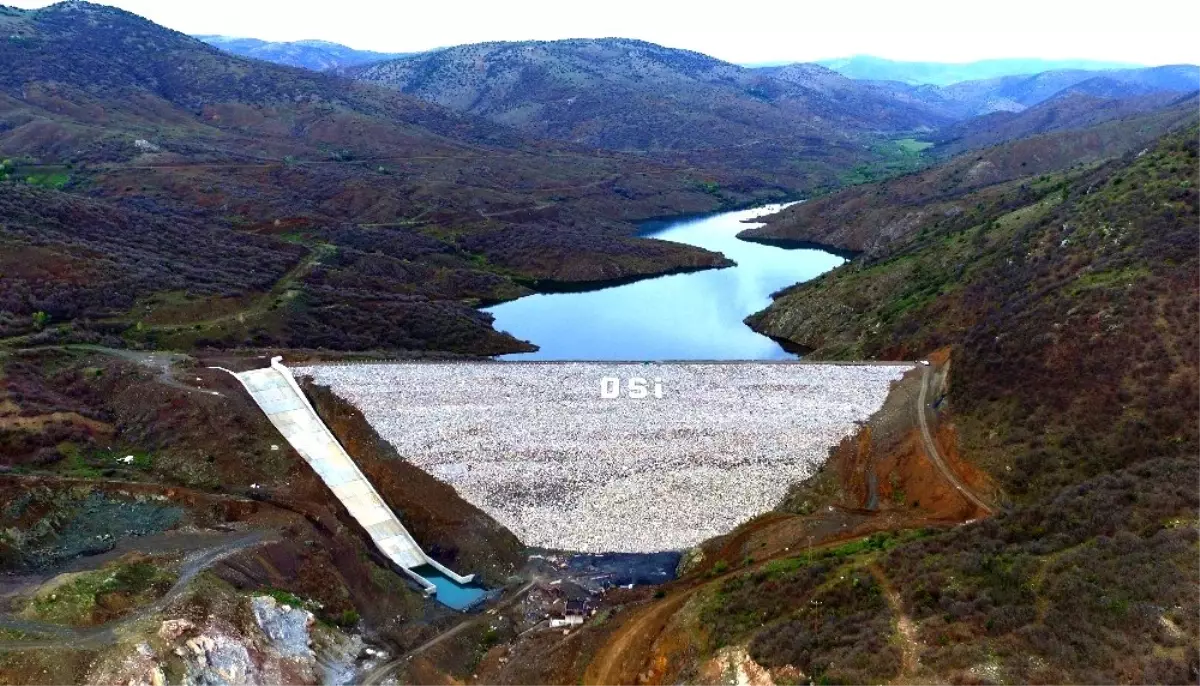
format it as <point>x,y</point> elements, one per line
<point>554,454</point>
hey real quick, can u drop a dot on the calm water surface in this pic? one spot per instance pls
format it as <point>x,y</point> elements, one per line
<point>696,316</point>
<point>450,592</point>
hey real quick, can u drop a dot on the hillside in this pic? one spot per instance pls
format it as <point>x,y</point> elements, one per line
<point>965,100</point>
<point>866,67</point>
<point>317,55</point>
<point>402,214</point>
<point>1068,299</point>
<point>1070,308</point>
<point>786,123</point>
<point>1077,107</point>
<point>1015,93</point>
<point>878,218</point>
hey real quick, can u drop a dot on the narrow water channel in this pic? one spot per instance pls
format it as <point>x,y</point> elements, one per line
<point>694,316</point>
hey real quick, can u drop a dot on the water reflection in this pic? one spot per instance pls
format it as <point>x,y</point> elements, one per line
<point>696,316</point>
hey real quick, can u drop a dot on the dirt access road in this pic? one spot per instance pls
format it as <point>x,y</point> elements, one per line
<point>931,448</point>
<point>383,671</point>
<point>623,656</point>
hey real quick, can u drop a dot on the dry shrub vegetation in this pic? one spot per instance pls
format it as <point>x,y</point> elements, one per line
<point>822,613</point>
<point>1071,303</point>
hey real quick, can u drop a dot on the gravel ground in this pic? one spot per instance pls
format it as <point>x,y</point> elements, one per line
<point>539,449</point>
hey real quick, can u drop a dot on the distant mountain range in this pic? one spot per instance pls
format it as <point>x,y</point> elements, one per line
<point>566,89</point>
<point>634,96</point>
<point>945,73</point>
<point>1017,93</point>
<point>1069,110</point>
<point>640,97</point>
<point>602,91</point>
<point>317,55</point>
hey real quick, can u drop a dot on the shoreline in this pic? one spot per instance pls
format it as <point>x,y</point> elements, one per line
<point>551,286</point>
<point>647,230</point>
<point>797,244</point>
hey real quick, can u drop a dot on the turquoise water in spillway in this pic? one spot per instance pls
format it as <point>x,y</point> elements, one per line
<point>451,593</point>
<point>695,316</point>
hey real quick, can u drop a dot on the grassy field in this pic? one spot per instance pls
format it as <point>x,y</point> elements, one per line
<point>912,145</point>
<point>89,597</point>
<point>892,158</point>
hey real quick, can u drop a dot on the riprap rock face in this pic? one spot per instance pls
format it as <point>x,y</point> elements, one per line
<point>540,448</point>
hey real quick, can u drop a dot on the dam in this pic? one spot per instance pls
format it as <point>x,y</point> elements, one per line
<point>626,457</point>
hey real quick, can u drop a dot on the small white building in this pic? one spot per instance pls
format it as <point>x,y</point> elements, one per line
<point>567,621</point>
<point>576,611</point>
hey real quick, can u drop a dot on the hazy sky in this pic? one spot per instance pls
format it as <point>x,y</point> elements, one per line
<point>1146,31</point>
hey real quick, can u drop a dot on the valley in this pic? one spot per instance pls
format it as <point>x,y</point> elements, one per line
<point>946,431</point>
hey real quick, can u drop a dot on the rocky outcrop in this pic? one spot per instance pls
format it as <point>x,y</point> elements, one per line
<point>287,627</point>
<point>280,645</point>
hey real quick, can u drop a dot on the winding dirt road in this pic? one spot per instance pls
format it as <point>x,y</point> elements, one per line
<point>90,638</point>
<point>931,448</point>
<point>906,630</point>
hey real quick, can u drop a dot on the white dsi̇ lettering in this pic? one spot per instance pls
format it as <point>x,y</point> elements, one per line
<point>637,388</point>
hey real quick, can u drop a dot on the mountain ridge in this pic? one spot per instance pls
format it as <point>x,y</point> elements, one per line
<point>317,55</point>
<point>1017,93</point>
<point>565,68</point>
<point>869,67</point>
<point>677,105</point>
<point>875,218</point>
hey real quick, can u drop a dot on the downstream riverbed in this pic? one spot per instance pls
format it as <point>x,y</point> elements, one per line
<point>694,316</point>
